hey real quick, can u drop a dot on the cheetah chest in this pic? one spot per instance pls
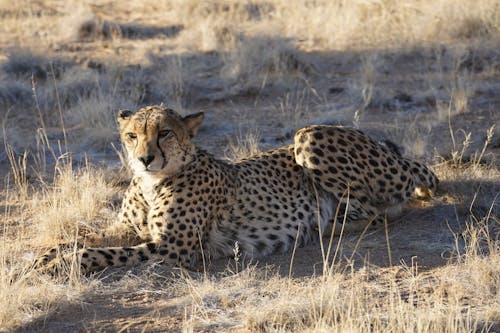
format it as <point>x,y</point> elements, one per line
<point>148,184</point>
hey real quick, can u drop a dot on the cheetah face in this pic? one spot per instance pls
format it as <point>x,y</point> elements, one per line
<point>158,140</point>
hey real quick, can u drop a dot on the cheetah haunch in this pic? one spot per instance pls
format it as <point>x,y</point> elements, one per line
<point>183,202</point>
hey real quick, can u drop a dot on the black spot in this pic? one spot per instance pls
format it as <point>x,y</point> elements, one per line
<point>105,254</point>
<point>272,237</point>
<point>142,257</point>
<point>318,136</point>
<point>151,247</point>
<point>261,246</point>
<point>332,148</point>
<point>318,152</point>
<point>123,259</point>
<point>314,160</point>
<point>342,160</point>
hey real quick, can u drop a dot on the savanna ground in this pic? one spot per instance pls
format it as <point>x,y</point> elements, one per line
<point>423,73</point>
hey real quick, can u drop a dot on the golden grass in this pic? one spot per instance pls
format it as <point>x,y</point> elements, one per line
<point>46,217</point>
<point>76,203</point>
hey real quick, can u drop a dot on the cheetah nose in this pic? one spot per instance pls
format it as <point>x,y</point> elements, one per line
<point>146,160</point>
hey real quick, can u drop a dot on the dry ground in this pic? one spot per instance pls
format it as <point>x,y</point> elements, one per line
<point>421,73</point>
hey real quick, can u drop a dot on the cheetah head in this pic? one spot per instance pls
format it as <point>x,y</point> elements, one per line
<point>158,140</point>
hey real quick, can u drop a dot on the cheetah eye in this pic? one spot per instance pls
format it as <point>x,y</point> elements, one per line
<point>164,133</point>
<point>131,136</point>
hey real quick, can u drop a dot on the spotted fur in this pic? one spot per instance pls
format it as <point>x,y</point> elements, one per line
<point>183,202</point>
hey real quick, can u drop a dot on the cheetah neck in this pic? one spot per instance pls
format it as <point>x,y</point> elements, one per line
<point>148,183</point>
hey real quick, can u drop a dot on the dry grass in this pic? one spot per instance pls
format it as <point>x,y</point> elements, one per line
<point>423,72</point>
<point>40,218</point>
<point>459,297</point>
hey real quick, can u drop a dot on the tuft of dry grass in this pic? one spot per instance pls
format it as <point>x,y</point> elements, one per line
<point>77,202</point>
<point>244,146</point>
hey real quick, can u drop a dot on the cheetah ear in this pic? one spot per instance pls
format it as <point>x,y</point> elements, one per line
<point>123,116</point>
<point>193,122</point>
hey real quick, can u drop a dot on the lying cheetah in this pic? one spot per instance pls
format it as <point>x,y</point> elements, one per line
<point>183,202</point>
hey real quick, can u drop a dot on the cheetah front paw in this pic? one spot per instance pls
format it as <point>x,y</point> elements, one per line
<point>63,265</point>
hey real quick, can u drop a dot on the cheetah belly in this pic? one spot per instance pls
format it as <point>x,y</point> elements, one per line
<point>274,205</point>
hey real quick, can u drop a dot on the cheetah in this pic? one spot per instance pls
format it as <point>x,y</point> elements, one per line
<point>183,203</point>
